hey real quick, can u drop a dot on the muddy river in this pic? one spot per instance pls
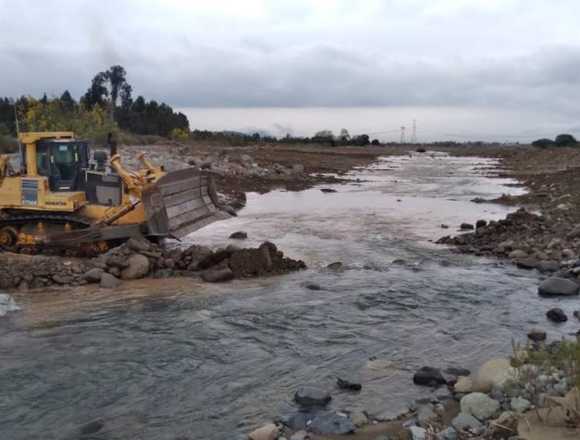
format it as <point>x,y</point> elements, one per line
<point>212,362</point>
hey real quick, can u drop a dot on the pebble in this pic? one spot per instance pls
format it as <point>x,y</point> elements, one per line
<point>537,335</point>
<point>429,376</point>
<point>345,384</point>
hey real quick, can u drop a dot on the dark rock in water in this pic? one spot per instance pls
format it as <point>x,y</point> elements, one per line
<point>457,371</point>
<point>556,315</point>
<point>421,150</point>
<point>557,286</point>
<point>332,423</point>
<point>527,263</point>
<point>217,275</point>
<point>444,226</point>
<point>327,190</point>
<point>480,224</point>
<point>479,200</point>
<point>537,335</point>
<point>399,262</point>
<point>429,376</point>
<point>239,235</point>
<point>92,427</point>
<point>345,384</point>
<point>299,420</point>
<point>313,286</point>
<point>466,227</point>
<point>336,266</point>
<point>311,396</point>
<point>576,314</point>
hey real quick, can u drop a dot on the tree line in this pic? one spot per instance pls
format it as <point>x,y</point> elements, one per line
<point>107,106</point>
<point>562,140</point>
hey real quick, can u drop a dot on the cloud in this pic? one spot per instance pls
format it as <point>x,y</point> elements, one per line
<point>300,53</point>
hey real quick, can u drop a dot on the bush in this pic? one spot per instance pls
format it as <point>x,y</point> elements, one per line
<point>543,143</point>
<point>565,140</point>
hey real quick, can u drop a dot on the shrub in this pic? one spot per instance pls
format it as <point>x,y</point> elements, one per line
<point>8,144</point>
<point>565,140</point>
<point>543,143</point>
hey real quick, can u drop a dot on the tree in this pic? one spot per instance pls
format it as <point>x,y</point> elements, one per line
<point>565,140</point>
<point>344,136</point>
<point>67,101</point>
<point>97,94</point>
<point>543,143</point>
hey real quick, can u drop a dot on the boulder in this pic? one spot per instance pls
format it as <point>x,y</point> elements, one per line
<point>332,423</point>
<point>109,281</point>
<point>557,286</point>
<point>311,396</point>
<point>556,315</point>
<point>138,267</point>
<point>239,235</point>
<point>429,376</point>
<point>479,405</point>
<point>93,275</point>
<point>267,432</point>
<point>493,372</point>
<point>520,405</point>
<point>465,421</point>
<point>217,275</point>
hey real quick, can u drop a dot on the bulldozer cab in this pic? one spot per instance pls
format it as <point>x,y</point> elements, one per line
<point>62,161</point>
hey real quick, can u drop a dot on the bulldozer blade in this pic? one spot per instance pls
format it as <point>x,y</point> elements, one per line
<point>182,202</point>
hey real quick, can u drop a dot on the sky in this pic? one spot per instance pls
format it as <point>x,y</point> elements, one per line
<point>488,56</point>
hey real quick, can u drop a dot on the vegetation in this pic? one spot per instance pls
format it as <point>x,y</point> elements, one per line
<point>562,140</point>
<point>106,107</point>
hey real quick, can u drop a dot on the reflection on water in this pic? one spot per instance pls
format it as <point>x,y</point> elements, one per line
<point>212,361</point>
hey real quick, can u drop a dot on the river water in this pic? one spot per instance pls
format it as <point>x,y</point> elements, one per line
<point>219,360</point>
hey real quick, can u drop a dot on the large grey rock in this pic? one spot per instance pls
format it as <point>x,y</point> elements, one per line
<point>479,405</point>
<point>93,275</point>
<point>332,423</point>
<point>138,267</point>
<point>109,281</point>
<point>311,396</point>
<point>557,286</point>
<point>465,421</point>
<point>7,304</point>
<point>139,245</point>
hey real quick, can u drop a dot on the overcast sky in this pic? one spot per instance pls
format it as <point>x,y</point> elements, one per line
<point>508,54</point>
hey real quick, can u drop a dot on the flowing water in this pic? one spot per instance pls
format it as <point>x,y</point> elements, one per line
<point>216,361</point>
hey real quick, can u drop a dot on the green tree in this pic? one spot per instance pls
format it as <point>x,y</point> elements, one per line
<point>565,140</point>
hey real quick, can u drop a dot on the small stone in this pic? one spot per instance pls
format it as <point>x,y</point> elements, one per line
<point>313,286</point>
<point>556,315</point>
<point>239,235</point>
<point>327,190</point>
<point>332,423</point>
<point>520,405</point>
<point>418,433</point>
<point>537,335</point>
<point>267,432</point>
<point>465,421</point>
<point>466,227</point>
<point>312,396</point>
<point>444,226</point>
<point>479,405</point>
<point>429,376</point>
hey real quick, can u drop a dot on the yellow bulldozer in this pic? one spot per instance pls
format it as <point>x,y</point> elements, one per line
<point>63,197</point>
